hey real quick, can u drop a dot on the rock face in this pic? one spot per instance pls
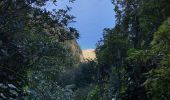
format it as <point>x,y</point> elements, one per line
<point>78,54</point>
<point>75,50</point>
<point>89,54</point>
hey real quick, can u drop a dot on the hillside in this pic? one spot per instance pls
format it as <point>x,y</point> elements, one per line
<point>75,50</point>
<point>89,54</point>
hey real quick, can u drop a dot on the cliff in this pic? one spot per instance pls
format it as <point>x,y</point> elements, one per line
<point>75,51</point>
<point>89,54</point>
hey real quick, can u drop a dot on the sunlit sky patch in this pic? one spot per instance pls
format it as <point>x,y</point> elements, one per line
<point>92,16</point>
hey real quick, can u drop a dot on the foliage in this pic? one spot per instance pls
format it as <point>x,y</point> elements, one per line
<point>36,62</point>
<point>133,57</point>
<point>158,79</point>
<point>30,37</point>
<point>94,94</point>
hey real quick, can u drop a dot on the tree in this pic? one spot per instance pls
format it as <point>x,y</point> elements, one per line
<point>132,48</point>
<point>29,35</point>
<point>158,79</point>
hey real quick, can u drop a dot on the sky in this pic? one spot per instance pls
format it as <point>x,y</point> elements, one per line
<point>92,16</point>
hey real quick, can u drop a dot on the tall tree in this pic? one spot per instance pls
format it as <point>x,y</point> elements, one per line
<point>28,34</point>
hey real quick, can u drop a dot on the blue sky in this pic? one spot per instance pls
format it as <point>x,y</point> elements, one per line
<point>92,16</point>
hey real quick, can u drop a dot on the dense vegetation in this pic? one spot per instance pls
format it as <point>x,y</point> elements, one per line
<point>37,60</point>
<point>133,57</point>
<point>32,49</point>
